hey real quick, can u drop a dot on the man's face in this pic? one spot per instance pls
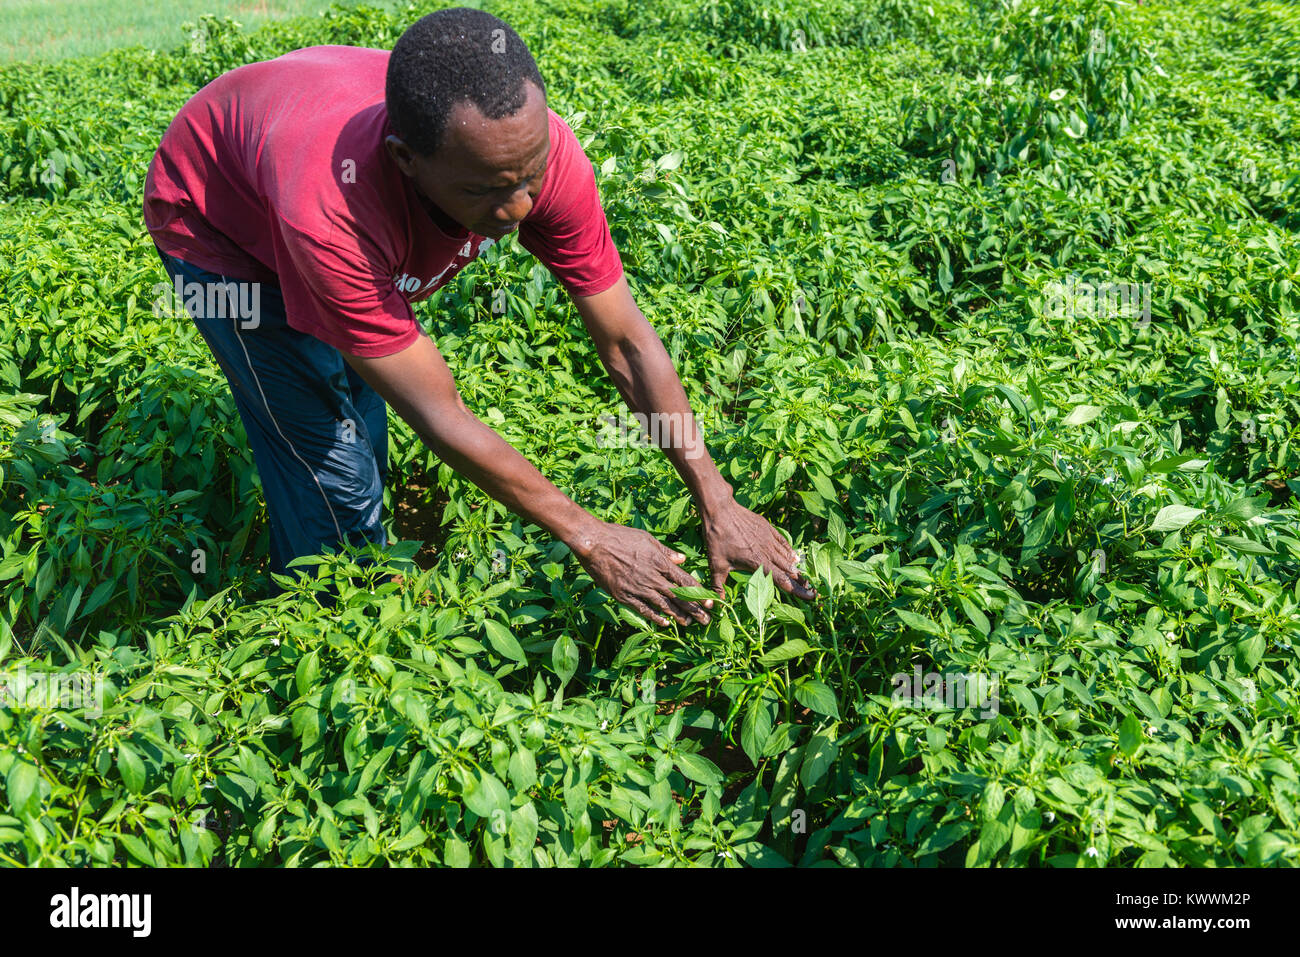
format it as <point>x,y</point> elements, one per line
<point>486,173</point>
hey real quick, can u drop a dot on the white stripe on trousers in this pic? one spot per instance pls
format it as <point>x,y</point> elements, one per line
<point>269,415</point>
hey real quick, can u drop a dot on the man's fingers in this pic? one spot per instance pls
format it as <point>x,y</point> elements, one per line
<point>669,604</point>
<point>686,605</point>
<point>677,577</point>
<point>718,580</point>
<point>690,609</point>
<point>804,590</point>
<point>662,603</point>
<point>682,606</point>
<point>642,609</point>
<point>784,570</point>
<point>681,577</point>
<point>782,580</point>
<point>790,582</point>
<point>693,609</point>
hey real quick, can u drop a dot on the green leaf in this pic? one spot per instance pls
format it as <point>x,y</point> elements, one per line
<point>977,617</point>
<point>695,593</point>
<point>698,768</point>
<point>564,658</point>
<point>503,641</point>
<point>1063,791</point>
<point>455,853</point>
<point>817,696</point>
<point>993,800</point>
<point>944,837</point>
<point>484,793</point>
<point>670,161</point>
<point>790,649</point>
<point>1186,463</point>
<point>908,422</point>
<point>1244,508</point>
<point>523,769</point>
<point>759,593</point>
<point>238,789</point>
<point>264,833</point>
<point>1130,735</point>
<point>756,729</point>
<point>1242,544</point>
<point>413,839</point>
<point>819,754</point>
<point>1250,650</point>
<point>22,783</point>
<point>138,849</point>
<point>306,673</point>
<point>1013,397</point>
<point>1083,414</point>
<point>919,622</point>
<point>1265,849</point>
<point>1173,517</point>
<point>130,767</point>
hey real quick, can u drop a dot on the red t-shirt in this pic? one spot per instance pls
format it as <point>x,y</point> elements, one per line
<point>276,172</point>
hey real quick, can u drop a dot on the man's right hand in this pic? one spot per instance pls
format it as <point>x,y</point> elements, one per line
<point>640,573</point>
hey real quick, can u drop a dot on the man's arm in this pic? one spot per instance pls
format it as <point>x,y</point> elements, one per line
<point>628,563</point>
<point>637,361</point>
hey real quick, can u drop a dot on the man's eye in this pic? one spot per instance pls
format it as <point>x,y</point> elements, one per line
<point>537,177</point>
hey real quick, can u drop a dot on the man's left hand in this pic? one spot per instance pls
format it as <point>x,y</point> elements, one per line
<point>738,538</point>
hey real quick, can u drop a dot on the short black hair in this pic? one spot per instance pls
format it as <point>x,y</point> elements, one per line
<point>449,57</point>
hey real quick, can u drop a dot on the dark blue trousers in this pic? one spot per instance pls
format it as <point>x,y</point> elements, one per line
<point>318,432</point>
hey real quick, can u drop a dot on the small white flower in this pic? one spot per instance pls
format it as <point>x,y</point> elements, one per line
<point>727,854</point>
<point>1091,852</point>
<point>1051,816</point>
<point>1171,636</point>
<point>275,642</point>
<point>1151,729</point>
<point>604,725</point>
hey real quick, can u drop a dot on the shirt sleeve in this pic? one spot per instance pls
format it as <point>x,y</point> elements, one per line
<point>567,231</point>
<point>341,296</point>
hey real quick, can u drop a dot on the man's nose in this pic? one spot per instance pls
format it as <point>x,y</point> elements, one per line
<point>519,205</point>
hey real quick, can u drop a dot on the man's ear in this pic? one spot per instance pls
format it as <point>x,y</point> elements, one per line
<point>402,154</point>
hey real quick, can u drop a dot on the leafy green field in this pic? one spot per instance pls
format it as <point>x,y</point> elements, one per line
<point>882,242</point>
<point>55,29</point>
